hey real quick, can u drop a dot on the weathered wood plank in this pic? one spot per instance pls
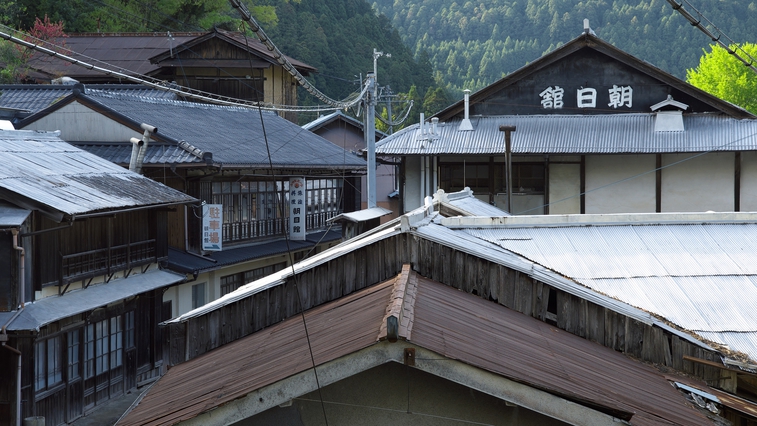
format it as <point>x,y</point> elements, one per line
<point>595,323</point>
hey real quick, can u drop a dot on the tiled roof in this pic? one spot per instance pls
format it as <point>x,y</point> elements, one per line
<point>235,136</point>
<point>36,97</point>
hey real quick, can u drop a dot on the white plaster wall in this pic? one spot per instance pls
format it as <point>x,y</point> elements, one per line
<point>748,181</point>
<point>77,122</point>
<point>698,183</point>
<point>636,195</point>
<point>412,192</point>
<point>564,182</point>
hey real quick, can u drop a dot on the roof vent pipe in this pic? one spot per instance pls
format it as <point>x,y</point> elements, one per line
<point>423,124</point>
<point>434,123</point>
<point>466,124</point>
<point>136,144</point>
<point>148,130</point>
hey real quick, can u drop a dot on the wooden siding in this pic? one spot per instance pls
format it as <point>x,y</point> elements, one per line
<point>97,246</point>
<point>491,281</point>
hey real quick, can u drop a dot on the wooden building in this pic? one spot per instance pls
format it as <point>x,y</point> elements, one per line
<point>219,62</point>
<point>81,240</point>
<point>586,128</point>
<point>219,155</point>
<point>544,270</point>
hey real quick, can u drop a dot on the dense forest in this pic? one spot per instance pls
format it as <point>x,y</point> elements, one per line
<point>438,47</point>
<point>472,43</point>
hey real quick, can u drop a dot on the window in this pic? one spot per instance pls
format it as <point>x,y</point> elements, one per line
<point>73,354</point>
<point>198,295</point>
<point>116,342</point>
<point>253,209</point>
<point>101,347</point>
<point>89,351</point>
<point>48,370</point>
<point>527,178</point>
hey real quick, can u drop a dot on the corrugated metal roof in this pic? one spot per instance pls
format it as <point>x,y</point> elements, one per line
<point>235,369</point>
<point>42,167</point>
<point>455,325</point>
<point>10,215</point>
<point>361,215</point>
<point>462,326</point>
<point>701,277</point>
<point>235,136</point>
<point>575,134</point>
<point>50,309</point>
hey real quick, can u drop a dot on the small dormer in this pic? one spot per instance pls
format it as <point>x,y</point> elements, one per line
<point>669,115</point>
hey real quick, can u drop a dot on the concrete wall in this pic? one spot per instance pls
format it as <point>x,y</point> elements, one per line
<point>412,190</point>
<point>564,188</point>
<point>748,182</point>
<point>88,125</point>
<point>393,394</point>
<point>700,183</point>
<point>607,191</point>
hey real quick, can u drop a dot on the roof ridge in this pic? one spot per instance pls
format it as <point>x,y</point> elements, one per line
<point>400,312</point>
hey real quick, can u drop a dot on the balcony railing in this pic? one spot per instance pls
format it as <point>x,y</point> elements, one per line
<point>106,261</point>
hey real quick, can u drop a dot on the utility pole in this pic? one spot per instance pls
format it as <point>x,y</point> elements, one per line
<point>370,128</point>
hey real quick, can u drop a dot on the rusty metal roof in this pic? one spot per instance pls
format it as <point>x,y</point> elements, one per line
<point>454,324</point>
<point>42,170</point>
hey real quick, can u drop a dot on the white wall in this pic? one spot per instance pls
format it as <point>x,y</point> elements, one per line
<point>79,123</point>
<point>748,182</point>
<point>701,183</point>
<point>564,182</point>
<point>412,190</point>
<point>636,195</point>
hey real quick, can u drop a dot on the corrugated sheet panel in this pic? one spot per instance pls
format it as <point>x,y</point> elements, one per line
<point>232,371</point>
<point>465,327</point>
<point>50,309</point>
<point>42,167</point>
<point>454,324</point>
<point>11,215</point>
<point>476,207</point>
<point>235,136</point>
<point>575,134</point>
<point>700,277</point>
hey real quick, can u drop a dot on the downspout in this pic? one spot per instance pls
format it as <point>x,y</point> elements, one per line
<point>3,332</point>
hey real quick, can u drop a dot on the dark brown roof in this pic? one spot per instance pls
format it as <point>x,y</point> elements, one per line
<point>442,319</point>
<point>140,53</point>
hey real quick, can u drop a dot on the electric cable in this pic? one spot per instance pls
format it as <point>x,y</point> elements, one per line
<point>291,260</point>
<point>731,48</point>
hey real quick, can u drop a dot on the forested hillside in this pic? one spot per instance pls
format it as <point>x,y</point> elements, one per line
<point>471,43</point>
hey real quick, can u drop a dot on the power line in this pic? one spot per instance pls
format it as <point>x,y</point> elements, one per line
<point>284,62</point>
<point>175,88</point>
<point>731,48</point>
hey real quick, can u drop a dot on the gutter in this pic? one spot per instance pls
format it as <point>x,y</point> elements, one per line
<point>3,332</point>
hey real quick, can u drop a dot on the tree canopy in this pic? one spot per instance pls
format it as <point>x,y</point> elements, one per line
<point>721,74</point>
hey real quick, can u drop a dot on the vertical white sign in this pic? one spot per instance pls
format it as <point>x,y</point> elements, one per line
<point>212,229</point>
<point>297,206</point>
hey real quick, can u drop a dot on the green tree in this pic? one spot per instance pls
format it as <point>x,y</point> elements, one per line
<point>721,74</point>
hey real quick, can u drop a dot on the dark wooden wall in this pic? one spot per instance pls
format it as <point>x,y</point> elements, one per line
<point>384,259</point>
